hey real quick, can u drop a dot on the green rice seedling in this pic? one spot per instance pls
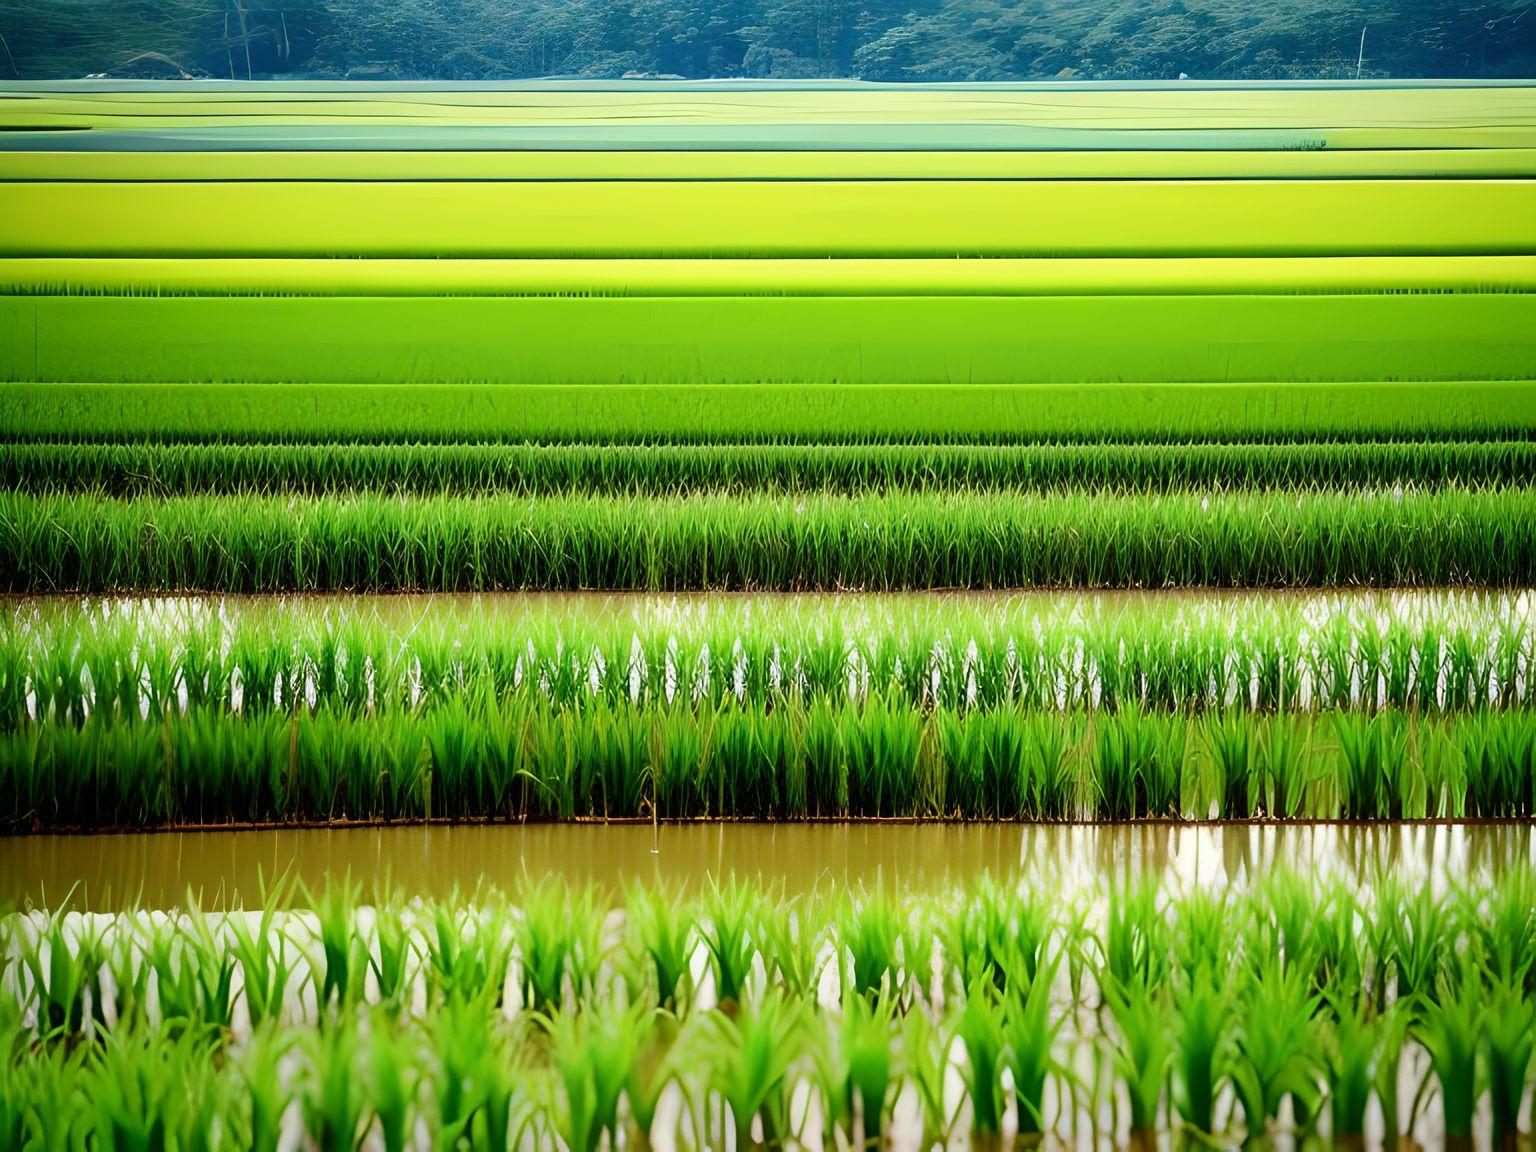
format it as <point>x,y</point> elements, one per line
<point>43,1089</point>
<point>1372,751</point>
<point>332,1102</point>
<point>653,1068</point>
<point>392,955</point>
<point>663,929</point>
<point>343,959</point>
<point>1286,767</point>
<point>748,1059</point>
<point>1030,1031</point>
<point>1449,1027</point>
<point>556,933</point>
<point>139,1085</point>
<point>869,933</point>
<point>594,1057</point>
<point>1134,946</point>
<point>1351,1037</point>
<point>998,935</point>
<point>925,1061</point>
<point>194,973</point>
<point>855,1066</point>
<point>791,936</point>
<point>468,955</point>
<point>64,966</point>
<point>1202,1056</point>
<point>260,1068</point>
<point>1417,922</point>
<point>266,969</point>
<point>393,1080</point>
<point>980,1029</point>
<point>464,1052</point>
<point>1505,927</point>
<point>1510,1037</point>
<point>730,911</point>
<point>1233,756</point>
<point>1143,1051</point>
<point>1271,1055</point>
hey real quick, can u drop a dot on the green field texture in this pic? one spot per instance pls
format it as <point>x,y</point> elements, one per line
<point>142,468</point>
<point>998,276</point>
<point>748,164</point>
<point>794,218</point>
<point>745,413</point>
<point>982,540</point>
<point>1429,111</point>
<point>790,340</point>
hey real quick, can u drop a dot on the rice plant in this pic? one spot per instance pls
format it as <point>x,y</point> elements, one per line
<point>1217,1030</point>
<point>975,539</point>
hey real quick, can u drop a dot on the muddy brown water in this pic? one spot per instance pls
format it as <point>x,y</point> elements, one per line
<point>224,868</point>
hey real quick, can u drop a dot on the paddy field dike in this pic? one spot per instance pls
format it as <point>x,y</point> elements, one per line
<point>704,615</point>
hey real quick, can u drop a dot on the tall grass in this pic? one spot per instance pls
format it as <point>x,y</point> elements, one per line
<point>520,759</point>
<point>665,469</point>
<point>981,539</point>
<point>1252,1032</point>
<point>759,414</point>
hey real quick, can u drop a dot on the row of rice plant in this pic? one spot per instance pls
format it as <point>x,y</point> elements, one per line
<point>974,539</point>
<point>1062,276</point>
<point>753,218</point>
<point>1451,115</point>
<point>66,660</point>
<point>1293,1008</point>
<point>486,759</point>
<point>1226,337</point>
<point>829,162</point>
<point>757,414</point>
<point>529,469</point>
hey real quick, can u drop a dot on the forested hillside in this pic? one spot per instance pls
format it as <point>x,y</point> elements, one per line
<point>867,39</point>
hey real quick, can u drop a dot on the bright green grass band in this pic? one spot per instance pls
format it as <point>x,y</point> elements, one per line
<point>770,340</point>
<point>815,413</point>
<point>86,543</point>
<point>659,469</point>
<point>516,759</point>
<point>852,276</point>
<point>262,166</point>
<point>798,218</point>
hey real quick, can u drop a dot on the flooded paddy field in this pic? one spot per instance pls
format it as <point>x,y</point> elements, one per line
<point>107,873</point>
<point>965,616</point>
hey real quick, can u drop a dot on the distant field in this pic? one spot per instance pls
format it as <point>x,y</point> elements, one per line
<point>755,219</point>
<point>763,413</point>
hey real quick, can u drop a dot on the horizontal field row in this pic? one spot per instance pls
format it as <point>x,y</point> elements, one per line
<point>237,157</point>
<point>666,468</point>
<point>690,1020</point>
<point>1107,276</point>
<point>825,340</point>
<point>66,660</point>
<point>756,414</point>
<point>1432,107</point>
<point>984,539</point>
<point>519,758</point>
<point>752,219</point>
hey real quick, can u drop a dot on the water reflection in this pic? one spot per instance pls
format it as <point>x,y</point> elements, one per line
<point>158,870</point>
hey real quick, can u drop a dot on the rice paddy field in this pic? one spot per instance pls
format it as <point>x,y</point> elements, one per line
<point>805,615</point>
